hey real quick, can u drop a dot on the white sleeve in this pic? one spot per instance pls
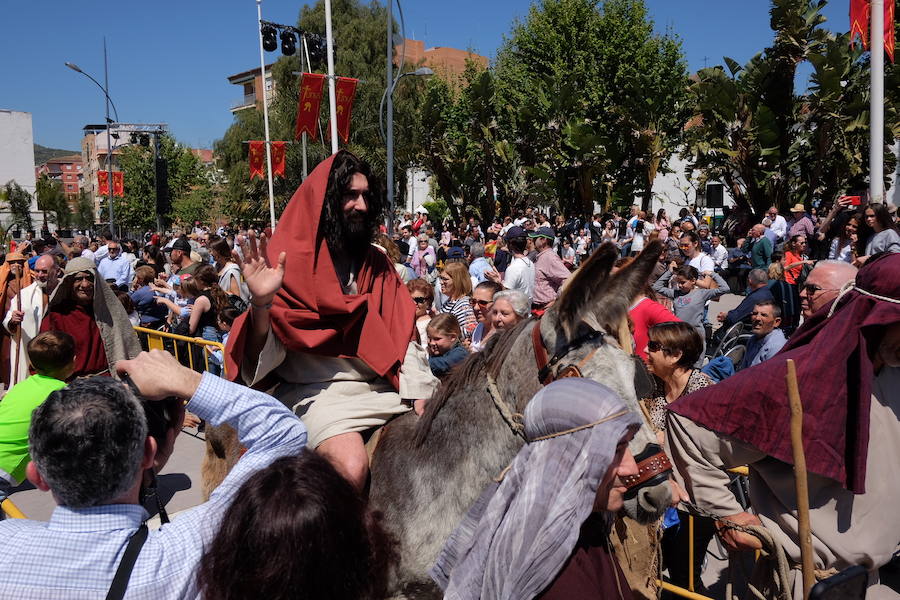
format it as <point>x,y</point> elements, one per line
<point>417,382</point>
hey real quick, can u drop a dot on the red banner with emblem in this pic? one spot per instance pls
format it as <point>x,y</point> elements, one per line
<point>118,183</point>
<point>257,159</point>
<point>860,18</point>
<point>103,183</point>
<point>278,159</point>
<point>345,90</point>
<point>308,102</point>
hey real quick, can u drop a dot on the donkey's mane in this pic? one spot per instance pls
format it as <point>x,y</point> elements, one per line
<point>471,371</point>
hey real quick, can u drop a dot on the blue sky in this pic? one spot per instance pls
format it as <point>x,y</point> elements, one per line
<point>169,59</point>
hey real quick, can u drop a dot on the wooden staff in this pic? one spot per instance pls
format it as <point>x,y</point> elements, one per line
<point>800,480</point>
<point>624,335</point>
<point>14,376</point>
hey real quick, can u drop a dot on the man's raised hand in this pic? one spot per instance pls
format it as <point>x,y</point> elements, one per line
<point>263,280</point>
<point>158,374</point>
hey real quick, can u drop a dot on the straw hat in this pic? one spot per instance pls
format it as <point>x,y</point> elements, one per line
<point>15,256</point>
<point>798,208</point>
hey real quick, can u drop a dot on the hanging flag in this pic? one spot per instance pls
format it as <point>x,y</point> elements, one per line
<point>103,183</point>
<point>860,18</point>
<point>118,183</point>
<point>308,104</point>
<point>278,159</point>
<point>859,21</point>
<point>257,159</point>
<point>344,89</point>
<point>889,28</point>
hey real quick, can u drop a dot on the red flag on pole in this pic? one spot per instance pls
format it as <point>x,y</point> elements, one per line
<point>345,90</point>
<point>277,159</point>
<point>860,17</point>
<point>103,183</point>
<point>118,183</point>
<point>257,159</point>
<point>308,104</point>
<point>889,28</point>
<point>859,21</point>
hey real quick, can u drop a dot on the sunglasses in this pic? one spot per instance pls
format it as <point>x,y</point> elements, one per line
<point>684,245</point>
<point>655,346</point>
<point>811,289</point>
<point>481,303</point>
<point>419,299</point>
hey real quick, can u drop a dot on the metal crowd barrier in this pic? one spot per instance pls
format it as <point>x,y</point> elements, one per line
<point>192,352</point>
<point>689,593</point>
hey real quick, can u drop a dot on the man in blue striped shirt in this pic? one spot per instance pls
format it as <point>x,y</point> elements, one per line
<point>90,449</point>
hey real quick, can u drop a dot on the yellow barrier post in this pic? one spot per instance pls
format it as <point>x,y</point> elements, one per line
<point>155,341</point>
<point>11,510</point>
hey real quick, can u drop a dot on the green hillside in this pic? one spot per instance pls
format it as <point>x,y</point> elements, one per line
<point>42,154</point>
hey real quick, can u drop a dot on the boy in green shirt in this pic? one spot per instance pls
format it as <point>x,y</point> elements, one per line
<point>52,356</point>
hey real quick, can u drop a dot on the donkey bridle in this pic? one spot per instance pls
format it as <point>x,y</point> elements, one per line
<point>653,464</point>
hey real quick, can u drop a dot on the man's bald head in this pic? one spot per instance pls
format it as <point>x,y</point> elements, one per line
<point>823,284</point>
<point>44,269</point>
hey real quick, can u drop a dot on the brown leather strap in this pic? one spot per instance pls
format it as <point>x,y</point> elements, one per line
<point>540,353</point>
<point>648,468</point>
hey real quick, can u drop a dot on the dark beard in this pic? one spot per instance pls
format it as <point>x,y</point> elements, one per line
<point>353,235</point>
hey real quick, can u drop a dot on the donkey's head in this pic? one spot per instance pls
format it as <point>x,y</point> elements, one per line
<point>584,329</point>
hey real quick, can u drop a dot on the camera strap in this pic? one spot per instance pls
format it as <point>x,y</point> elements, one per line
<point>123,573</point>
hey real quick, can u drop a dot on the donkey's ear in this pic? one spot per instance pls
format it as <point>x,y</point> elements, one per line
<point>619,292</point>
<point>578,297</point>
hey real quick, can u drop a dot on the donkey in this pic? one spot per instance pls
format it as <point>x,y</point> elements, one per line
<point>427,471</point>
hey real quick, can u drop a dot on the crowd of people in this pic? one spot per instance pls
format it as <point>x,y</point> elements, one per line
<point>347,325</point>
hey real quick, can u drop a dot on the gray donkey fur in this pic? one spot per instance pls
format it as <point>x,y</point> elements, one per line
<point>427,471</point>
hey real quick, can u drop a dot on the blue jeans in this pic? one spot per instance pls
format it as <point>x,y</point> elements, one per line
<point>211,334</point>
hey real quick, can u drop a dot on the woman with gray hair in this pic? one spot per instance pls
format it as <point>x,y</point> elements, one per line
<point>542,532</point>
<point>510,307</point>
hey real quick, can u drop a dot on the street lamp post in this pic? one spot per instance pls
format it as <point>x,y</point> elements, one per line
<point>109,102</point>
<point>389,136</point>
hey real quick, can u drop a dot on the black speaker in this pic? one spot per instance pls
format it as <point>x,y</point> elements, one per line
<point>715,195</point>
<point>162,187</point>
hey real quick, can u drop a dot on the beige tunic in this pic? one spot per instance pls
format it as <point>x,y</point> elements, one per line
<point>339,395</point>
<point>847,529</point>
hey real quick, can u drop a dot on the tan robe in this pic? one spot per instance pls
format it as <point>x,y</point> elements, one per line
<point>847,529</point>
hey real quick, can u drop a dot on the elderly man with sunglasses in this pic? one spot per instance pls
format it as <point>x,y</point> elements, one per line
<point>823,284</point>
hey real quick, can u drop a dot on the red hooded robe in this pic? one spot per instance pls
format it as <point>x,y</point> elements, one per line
<point>312,314</point>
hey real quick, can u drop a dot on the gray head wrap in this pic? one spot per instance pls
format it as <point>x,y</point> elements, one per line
<point>518,535</point>
<point>119,339</point>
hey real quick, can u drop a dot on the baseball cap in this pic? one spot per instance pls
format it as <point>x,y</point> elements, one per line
<point>179,244</point>
<point>545,232</point>
<point>515,232</point>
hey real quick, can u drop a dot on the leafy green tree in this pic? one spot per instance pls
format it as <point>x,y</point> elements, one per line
<point>770,145</point>
<point>84,211</point>
<point>596,100</point>
<point>19,202</point>
<point>51,198</point>
<point>137,209</point>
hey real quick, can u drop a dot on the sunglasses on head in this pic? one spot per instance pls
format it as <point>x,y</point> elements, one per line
<point>419,299</point>
<point>655,346</point>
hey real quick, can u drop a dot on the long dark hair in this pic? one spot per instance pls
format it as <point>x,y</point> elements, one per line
<point>209,280</point>
<point>297,529</point>
<point>332,224</point>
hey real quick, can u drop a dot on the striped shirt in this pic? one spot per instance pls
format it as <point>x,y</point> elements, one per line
<point>461,308</point>
<point>76,553</point>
